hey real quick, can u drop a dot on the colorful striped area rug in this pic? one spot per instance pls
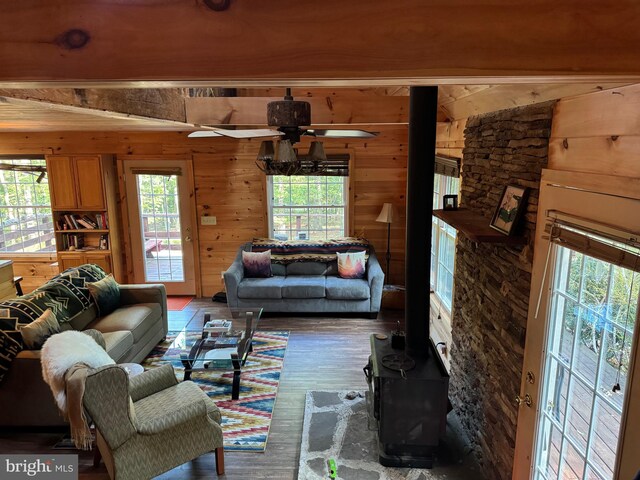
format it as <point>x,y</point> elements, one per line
<point>246,421</point>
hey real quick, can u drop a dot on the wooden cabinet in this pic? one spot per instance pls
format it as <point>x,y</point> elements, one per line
<point>76,183</point>
<point>75,259</point>
<point>86,213</point>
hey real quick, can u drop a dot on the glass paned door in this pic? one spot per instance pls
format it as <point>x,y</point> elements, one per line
<point>158,201</point>
<point>586,363</point>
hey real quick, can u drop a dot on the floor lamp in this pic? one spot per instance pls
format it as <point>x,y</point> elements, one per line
<point>386,216</point>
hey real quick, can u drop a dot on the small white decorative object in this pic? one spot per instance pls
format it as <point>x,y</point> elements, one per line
<point>217,326</point>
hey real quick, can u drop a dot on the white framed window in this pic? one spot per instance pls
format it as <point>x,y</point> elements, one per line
<point>26,221</point>
<point>307,207</point>
<point>443,241</point>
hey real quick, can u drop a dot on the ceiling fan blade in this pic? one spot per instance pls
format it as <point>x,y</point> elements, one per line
<point>204,133</point>
<point>250,133</point>
<point>335,133</point>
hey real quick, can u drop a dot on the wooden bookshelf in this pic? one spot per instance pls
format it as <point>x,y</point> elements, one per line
<point>85,186</point>
<point>476,227</point>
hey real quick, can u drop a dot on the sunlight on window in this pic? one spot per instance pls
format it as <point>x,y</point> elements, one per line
<point>25,210</point>
<point>307,207</point>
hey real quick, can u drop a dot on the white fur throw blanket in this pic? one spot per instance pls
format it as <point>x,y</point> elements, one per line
<point>60,353</point>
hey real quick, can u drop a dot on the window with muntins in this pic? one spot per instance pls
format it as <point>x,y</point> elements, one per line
<point>25,208</point>
<point>307,207</point>
<point>443,242</point>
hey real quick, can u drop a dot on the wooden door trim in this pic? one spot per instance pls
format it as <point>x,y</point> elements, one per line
<point>626,189</point>
<point>128,231</point>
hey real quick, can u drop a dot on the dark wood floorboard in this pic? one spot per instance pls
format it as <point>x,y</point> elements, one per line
<point>323,353</point>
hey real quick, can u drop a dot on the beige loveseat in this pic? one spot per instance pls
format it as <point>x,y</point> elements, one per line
<point>130,333</point>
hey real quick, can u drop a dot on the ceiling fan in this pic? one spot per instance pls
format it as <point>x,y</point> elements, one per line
<point>288,116</point>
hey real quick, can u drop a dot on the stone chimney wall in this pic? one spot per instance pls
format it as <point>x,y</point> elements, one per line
<point>492,281</point>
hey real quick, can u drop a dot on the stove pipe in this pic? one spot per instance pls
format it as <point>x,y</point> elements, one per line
<point>423,108</point>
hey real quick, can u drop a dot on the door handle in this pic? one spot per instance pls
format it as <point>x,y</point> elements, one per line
<point>526,400</point>
<point>187,238</point>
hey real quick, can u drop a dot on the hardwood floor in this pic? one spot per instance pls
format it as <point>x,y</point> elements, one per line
<point>323,353</point>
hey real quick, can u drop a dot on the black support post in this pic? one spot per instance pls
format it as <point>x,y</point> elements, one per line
<point>423,107</point>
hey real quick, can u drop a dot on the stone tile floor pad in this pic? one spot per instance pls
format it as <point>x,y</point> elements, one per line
<point>336,427</point>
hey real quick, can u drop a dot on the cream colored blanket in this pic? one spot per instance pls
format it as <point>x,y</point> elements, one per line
<point>65,359</point>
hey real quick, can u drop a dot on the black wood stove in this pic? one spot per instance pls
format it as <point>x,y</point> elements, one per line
<point>408,388</point>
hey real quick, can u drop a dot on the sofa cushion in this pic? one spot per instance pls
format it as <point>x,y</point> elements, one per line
<point>304,286</point>
<point>278,269</point>
<point>137,319</point>
<point>307,268</point>
<point>261,287</point>
<point>81,320</point>
<point>118,343</point>
<point>347,288</point>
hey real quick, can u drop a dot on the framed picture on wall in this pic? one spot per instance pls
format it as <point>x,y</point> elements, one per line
<point>509,210</point>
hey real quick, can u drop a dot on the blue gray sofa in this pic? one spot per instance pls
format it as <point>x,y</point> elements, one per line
<point>306,287</point>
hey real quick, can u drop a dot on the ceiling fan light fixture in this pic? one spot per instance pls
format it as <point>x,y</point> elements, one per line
<point>286,153</point>
<point>267,151</point>
<point>316,152</point>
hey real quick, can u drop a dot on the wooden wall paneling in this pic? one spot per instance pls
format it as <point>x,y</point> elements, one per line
<point>490,98</point>
<point>328,110</point>
<point>81,42</point>
<point>598,133</point>
<point>195,227</point>
<point>125,234</point>
<point>611,112</point>
<point>228,185</point>
<point>34,270</point>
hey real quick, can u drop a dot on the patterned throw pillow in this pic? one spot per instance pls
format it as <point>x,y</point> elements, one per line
<point>351,265</point>
<point>106,294</point>
<point>36,333</point>
<point>20,311</point>
<point>71,293</point>
<point>257,265</point>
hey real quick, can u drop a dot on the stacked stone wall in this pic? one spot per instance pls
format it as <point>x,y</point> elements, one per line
<point>492,281</point>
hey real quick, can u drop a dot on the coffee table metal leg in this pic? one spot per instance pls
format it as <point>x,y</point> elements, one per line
<point>235,389</point>
<point>187,370</point>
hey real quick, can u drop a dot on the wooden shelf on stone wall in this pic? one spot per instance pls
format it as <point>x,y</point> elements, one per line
<point>476,227</point>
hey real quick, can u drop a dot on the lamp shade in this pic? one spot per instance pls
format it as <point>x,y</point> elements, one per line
<point>387,213</point>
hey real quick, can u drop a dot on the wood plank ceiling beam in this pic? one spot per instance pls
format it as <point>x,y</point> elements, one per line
<point>165,104</point>
<point>177,43</point>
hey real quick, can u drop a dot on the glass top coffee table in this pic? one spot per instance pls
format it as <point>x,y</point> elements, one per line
<point>200,349</point>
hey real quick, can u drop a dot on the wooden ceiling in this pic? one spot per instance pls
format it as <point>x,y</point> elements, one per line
<point>169,109</point>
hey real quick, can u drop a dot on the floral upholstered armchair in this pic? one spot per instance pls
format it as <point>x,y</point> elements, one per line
<point>150,423</point>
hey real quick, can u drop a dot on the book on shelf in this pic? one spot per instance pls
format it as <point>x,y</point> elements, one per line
<point>70,221</point>
<point>217,326</point>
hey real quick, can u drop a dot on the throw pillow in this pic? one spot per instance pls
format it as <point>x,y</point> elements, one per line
<point>9,349</point>
<point>35,333</point>
<point>106,294</point>
<point>257,264</point>
<point>71,295</point>
<point>351,265</point>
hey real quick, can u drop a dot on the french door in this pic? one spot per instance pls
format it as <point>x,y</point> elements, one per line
<point>587,357</point>
<point>580,394</point>
<point>160,223</point>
